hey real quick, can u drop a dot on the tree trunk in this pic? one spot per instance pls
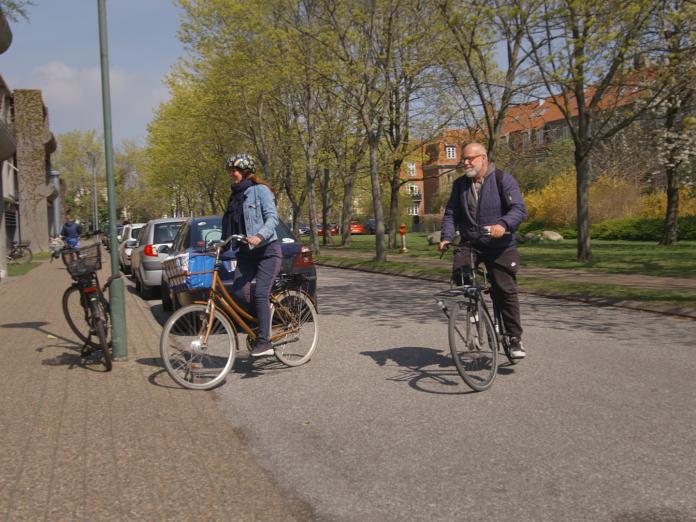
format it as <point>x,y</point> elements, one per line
<point>380,254</point>
<point>582,170</point>
<point>347,210</point>
<point>669,232</point>
<point>325,205</point>
<point>312,205</point>
<point>394,202</point>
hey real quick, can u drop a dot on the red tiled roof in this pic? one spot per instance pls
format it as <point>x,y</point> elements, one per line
<point>537,114</point>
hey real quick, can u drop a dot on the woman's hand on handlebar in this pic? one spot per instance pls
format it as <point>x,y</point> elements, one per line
<point>254,240</point>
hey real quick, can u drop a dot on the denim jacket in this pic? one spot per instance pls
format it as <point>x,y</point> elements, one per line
<point>260,213</point>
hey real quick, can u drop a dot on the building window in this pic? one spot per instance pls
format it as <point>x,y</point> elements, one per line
<point>413,189</point>
<point>413,210</point>
<point>411,169</point>
<point>450,152</point>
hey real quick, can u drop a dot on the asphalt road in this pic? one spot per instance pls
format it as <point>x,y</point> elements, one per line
<point>596,424</point>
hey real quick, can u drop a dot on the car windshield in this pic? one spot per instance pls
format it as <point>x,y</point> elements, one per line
<point>206,230</point>
<point>165,232</point>
<point>135,231</point>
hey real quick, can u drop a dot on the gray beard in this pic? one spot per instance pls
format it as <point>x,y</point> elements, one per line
<point>470,173</point>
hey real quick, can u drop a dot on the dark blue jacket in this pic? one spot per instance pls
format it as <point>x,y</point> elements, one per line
<point>491,211</point>
<point>71,229</point>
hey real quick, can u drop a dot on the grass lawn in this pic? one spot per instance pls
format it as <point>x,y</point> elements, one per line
<point>624,257</point>
<point>18,270</point>
<point>543,286</point>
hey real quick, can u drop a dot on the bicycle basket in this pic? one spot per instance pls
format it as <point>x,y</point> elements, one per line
<point>189,272</point>
<point>82,261</point>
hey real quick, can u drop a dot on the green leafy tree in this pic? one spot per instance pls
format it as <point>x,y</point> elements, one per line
<point>583,51</point>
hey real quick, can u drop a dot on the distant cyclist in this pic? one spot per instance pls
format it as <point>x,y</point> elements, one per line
<point>71,231</point>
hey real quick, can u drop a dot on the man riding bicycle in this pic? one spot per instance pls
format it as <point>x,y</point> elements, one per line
<point>71,231</point>
<point>486,206</point>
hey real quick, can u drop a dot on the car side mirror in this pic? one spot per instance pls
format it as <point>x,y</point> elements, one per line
<point>163,249</point>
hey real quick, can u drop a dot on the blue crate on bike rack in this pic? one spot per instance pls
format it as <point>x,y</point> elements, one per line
<point>189,272</point>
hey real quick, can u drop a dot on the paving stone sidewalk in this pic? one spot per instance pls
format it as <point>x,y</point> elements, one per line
<point>82,444</point>
<point>576,276</point>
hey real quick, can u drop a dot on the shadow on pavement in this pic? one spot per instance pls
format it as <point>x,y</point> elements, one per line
<point>69,359</point>
<point>424,369</point>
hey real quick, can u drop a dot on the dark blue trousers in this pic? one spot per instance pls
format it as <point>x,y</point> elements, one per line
<point>262,263</point>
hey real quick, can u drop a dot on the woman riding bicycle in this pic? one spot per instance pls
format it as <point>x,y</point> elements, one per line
<point>251,212</point>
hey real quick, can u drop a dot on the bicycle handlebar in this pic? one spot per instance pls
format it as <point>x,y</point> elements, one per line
<point>219,245</point>
<point>110,280</point>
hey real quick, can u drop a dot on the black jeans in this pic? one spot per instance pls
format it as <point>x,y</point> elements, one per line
<point>502,266</point>
<point>262,263</point>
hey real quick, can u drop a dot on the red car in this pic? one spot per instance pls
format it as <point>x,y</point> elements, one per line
<point>333,229</point>
<point>356,228</point>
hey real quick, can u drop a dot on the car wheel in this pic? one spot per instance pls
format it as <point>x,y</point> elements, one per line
<point>167,303</point>
<point>145,291</point>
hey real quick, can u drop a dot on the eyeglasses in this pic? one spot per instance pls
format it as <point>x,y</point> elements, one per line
<point>471,158</point>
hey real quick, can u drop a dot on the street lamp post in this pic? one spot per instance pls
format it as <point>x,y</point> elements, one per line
<point>116,291</point>
<point>92,160</point>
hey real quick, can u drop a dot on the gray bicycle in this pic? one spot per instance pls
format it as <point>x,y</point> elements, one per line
<point>475,328</point>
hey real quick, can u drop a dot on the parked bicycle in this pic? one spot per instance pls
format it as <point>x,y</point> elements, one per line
<point>20,253</point>
<point>85,307</point>
<point>476,335</point>
<point>199,342</point>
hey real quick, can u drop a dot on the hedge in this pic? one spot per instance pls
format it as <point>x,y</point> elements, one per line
<point>631,229</point>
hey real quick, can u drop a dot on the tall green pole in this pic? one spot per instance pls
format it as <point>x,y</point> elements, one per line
<point>116,293</point>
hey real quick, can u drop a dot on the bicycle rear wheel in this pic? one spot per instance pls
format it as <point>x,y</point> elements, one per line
<point>473,344</point>
<point>99,321</point>
<point>295,326</point>
<point>191,360</point>
<point>76,311</point>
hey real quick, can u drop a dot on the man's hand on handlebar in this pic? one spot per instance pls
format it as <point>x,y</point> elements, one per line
<point>497,231</point>
<point>443,246</point>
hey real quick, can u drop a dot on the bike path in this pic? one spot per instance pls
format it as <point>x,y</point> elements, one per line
<point>82,444</point>
<point>575,276</point>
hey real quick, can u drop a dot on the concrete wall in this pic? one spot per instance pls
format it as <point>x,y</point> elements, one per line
<point>7,144</point>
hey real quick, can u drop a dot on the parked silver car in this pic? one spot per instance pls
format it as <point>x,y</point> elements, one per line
<point>128,239</point>
<point>146,258</point>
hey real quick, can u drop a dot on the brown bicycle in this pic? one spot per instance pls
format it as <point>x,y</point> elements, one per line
<point>199,342</point>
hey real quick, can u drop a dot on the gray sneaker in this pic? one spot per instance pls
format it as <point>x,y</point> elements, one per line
<point>262,350</point>
<point>516,348</point>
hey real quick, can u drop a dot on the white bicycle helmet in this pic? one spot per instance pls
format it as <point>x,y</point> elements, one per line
<point>243,162</point>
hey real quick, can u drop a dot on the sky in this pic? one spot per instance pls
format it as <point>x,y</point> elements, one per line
<point>57,51</point>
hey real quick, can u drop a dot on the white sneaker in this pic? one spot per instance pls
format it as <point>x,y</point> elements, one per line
<point>262,351</point>
<point>516,348</point>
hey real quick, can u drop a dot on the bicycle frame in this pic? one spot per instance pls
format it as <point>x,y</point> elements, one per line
<point>219,298</point>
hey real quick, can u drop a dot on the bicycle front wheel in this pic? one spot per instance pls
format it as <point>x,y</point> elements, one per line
<point>22,255</point>
<point>473,344</point>
<point>192,357</point>
<point>99,321</point>
<point>295,327</point>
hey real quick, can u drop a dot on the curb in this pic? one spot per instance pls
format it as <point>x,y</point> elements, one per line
<point>684,313</point>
